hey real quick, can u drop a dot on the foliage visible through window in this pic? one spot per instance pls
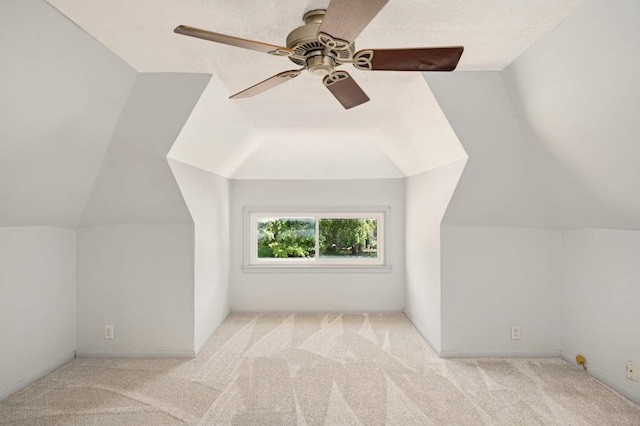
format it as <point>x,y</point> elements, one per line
<point>349,237</point>
<point>323,239</point>
<point>286,237</point>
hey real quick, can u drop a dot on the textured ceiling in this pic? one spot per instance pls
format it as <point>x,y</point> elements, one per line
<point>493,33</point>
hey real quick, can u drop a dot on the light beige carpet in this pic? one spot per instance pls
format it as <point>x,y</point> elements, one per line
<point>318,369</point>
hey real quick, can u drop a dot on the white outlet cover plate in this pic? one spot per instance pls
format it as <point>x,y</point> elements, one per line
<point>632,371</point>
<point>108,332</point>
<point>515,332</point>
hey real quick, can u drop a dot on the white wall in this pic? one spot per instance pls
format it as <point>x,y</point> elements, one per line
<point>207,196</point>
<point>37,303</point>
<point>600,296</point>
<point>218,136</point>
<point>139,278</point>
<point>493,278</point>
<point>318,291</point>
<point>427,196</point>
<point>281,156</point>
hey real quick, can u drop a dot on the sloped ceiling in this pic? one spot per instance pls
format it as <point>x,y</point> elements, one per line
<point>135,184</point>
<point>61,94</point>
<point>140,32</point>
<point>553,139</point>
<point>578,94</point>
<point>500,185</point>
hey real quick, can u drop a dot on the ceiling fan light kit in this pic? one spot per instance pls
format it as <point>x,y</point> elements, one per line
<point>327,41</point>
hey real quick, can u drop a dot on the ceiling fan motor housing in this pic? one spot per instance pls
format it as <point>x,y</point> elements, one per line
<point>321,64</point>
<point>309,51</point>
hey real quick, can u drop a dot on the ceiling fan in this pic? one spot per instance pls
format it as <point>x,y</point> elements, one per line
<point>326,41</point>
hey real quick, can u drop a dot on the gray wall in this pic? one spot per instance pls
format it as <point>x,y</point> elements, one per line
<point>552,144</point>
<point>582,120</point>
<point>427,196</point>
<point>136,239</point>
<point>496,277</point>
<point>208,197</point>
<point>318,291</point>
<point>61,94</point>
<point>138,278</point>
<point>500,185</point>
<point>37,303</point>
<point>500,260</point>
<point>83,143</point>
<point>600,292</point>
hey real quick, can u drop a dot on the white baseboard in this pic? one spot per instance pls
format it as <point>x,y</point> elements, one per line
<point>435,347</point>
<point>500,354</point>
<point>37,375</point>
<point>205,341</point>
<point>133,354</point>
<point>613,384</point>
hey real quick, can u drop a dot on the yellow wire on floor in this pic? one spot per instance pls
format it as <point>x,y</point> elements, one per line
<point>580,360</point>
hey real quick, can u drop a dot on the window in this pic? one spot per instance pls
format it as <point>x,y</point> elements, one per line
<point>306,239</point>
<point>285,237</point>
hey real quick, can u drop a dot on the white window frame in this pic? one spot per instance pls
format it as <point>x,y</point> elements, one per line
<point>318,264</point>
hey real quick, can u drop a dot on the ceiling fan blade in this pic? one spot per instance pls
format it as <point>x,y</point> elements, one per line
<point>414,59</point>
<point>233,41</point>
<point>267,84</point>
<point>345,19</point>
<point>345,89</point>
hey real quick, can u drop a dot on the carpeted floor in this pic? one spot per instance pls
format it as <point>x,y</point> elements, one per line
<point>318,369</point>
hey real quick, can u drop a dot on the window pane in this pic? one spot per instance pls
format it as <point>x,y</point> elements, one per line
<point>286,237</point>
<point>356,237</point>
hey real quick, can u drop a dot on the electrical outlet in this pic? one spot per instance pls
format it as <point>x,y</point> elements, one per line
<point>515,332</point>
<point>108,332</point>
<point>632,371</point>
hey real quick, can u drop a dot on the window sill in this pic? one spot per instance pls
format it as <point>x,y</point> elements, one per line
<point>324,269</point>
